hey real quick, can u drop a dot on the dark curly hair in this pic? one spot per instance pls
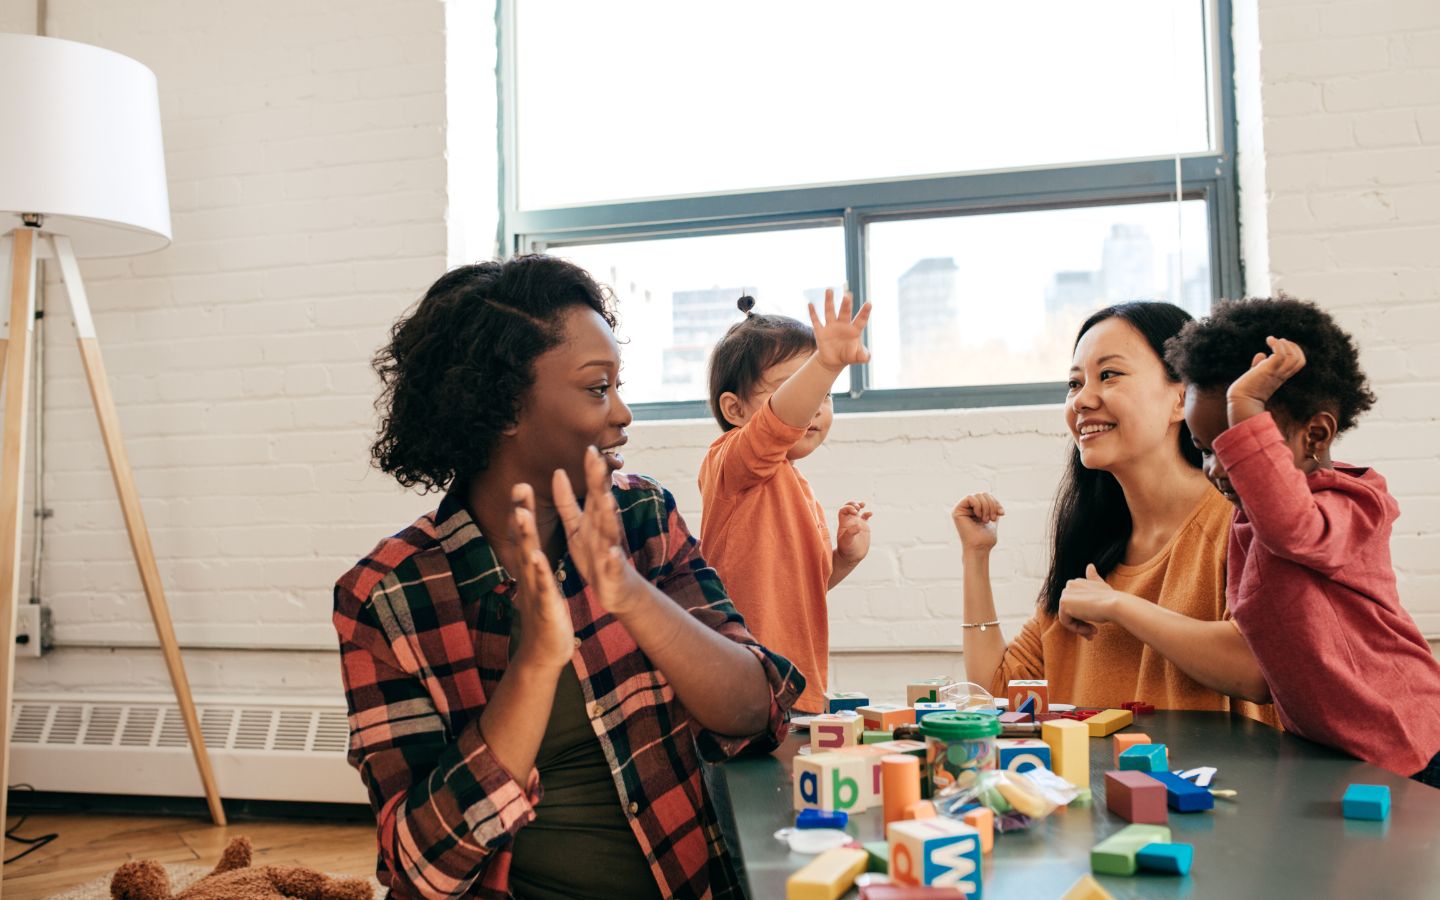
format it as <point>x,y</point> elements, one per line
<point>1214,351</point>
<point>458,366</point>
<point>749,347</point>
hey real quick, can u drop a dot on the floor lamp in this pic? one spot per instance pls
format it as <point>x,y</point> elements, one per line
<point>82,173</point>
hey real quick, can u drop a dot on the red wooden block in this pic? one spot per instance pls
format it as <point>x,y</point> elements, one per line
<point>1079,715</point>
<point>1137,707</point>
<point>1048,716</point>
<point>1136,797</point>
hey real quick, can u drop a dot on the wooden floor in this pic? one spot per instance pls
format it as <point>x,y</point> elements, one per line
<point>90,846</point>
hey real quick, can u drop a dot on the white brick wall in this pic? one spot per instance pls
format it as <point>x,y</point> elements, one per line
<point>308,178</point>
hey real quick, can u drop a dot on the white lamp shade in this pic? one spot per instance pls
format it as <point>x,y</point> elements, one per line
<point>80,144</point>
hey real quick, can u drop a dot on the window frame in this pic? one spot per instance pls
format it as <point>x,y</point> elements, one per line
<point>1209,176</point>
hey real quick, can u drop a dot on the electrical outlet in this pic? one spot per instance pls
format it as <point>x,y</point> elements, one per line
<point>32,630</point>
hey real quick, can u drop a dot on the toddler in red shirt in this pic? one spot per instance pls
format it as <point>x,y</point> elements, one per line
<point>1310,581</point>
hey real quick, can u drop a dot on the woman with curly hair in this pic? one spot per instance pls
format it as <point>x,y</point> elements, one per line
<point>1269,385</point>
<point>535,670</point>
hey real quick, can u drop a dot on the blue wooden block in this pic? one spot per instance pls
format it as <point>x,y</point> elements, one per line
<point>1183,796</point>
<point>840,701</point>
<point>1173,859</point>
<point>1367,801</point>
<point>1144,758</point>
<point>817,818</point>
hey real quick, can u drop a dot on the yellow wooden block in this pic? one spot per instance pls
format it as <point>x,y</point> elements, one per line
<point>1109,721</point>
<point>827,876</point>
<point>1124,742</point>
<point>1087,888</point>
<point>1069,742</point>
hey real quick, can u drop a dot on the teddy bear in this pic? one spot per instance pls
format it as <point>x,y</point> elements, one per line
<point>233,879</point>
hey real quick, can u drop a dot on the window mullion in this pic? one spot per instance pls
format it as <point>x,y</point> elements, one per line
<point>855,281</point>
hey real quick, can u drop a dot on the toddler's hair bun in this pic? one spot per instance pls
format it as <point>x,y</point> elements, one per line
<point>746,305</point>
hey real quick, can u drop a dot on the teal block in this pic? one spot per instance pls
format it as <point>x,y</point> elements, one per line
<point>1172,859</point>
<point>1145,758</point>
<point>1367,801</point>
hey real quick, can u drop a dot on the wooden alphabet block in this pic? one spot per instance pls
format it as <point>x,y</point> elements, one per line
<point>1124,742</point>
<point>927,690</point>
<point>923,709</point>
<point>832,782</point>
<point>1028,696</point>
<point>1116,854</point>
<point>827,876</point>
<point>920,809</point>
<point>939,851</point>
<point>1145,758</point>
<point>842,701</point>
<point>1136,797</point>
<point>1087,888</point>
<point>1109,721</point>
<point>834,731</point>
<point>1172,859</point>
<point>1366,801</point>
<point>1184,796</point>
<point>884,716</point>
<point>1022,754</point>
<point>1069,750</point>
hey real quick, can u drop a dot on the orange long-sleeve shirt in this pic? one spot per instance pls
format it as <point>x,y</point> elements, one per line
<point>765,534</point>
<point>1186,576</point>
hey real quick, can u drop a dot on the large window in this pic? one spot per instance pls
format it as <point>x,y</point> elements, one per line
<point>985,174</point>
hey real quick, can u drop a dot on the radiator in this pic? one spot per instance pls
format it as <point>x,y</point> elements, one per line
<point>260,749</point>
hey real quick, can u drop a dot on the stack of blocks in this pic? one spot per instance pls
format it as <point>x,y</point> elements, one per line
<point>1069,750</point>
<point>1145,758</point>
<point>1124,742</point>
<point>1136,797</point>
<point>939,851</point>
<point>1366,801</point>
<point>1031,697</point>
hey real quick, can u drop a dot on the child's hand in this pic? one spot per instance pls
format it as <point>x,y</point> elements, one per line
<point>593,536</point>
<point>547,634</point>
<point>1088,602</point>
<point>1250,392</point>
<point>839,341</point>
<point>852,537</point>
<point>975,519</point>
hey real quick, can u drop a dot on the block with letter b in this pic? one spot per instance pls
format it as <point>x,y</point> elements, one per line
<point>831,782</point>
<point>940,852</point>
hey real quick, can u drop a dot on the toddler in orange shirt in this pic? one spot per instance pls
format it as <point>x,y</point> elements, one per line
<point>762,529</point>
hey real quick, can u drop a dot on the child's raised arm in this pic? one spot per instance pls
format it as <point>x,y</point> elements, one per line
<point>839,342</point>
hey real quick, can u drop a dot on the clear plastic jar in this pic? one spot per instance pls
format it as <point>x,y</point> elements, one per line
<point>959,745</point>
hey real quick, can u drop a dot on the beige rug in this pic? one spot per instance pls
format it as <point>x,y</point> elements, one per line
<point>182,875</point>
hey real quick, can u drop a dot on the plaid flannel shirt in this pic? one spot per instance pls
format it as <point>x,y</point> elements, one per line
<point>424,626</point>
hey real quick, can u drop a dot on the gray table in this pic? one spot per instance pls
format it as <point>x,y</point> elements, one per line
<point>1282,837</point>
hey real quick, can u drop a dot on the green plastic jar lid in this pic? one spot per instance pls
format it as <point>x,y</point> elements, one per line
<point>959,726</point>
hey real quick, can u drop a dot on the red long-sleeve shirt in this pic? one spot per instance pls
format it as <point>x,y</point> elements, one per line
<point>1312,588</point>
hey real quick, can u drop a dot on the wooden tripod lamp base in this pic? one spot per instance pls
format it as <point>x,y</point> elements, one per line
<point>15,354</point>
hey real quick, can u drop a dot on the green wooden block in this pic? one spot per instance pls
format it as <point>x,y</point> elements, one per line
<point>876,737</point>
<point>879,857</point>
<point>1116,854</point>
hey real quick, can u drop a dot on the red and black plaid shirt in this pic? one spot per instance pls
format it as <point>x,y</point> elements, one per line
<point>424,625</point>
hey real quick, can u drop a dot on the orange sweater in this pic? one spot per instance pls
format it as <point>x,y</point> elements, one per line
<point>764,533</point>
<point>1186,576</point>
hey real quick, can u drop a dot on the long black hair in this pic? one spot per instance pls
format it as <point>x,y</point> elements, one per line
<point>1091,519</point>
